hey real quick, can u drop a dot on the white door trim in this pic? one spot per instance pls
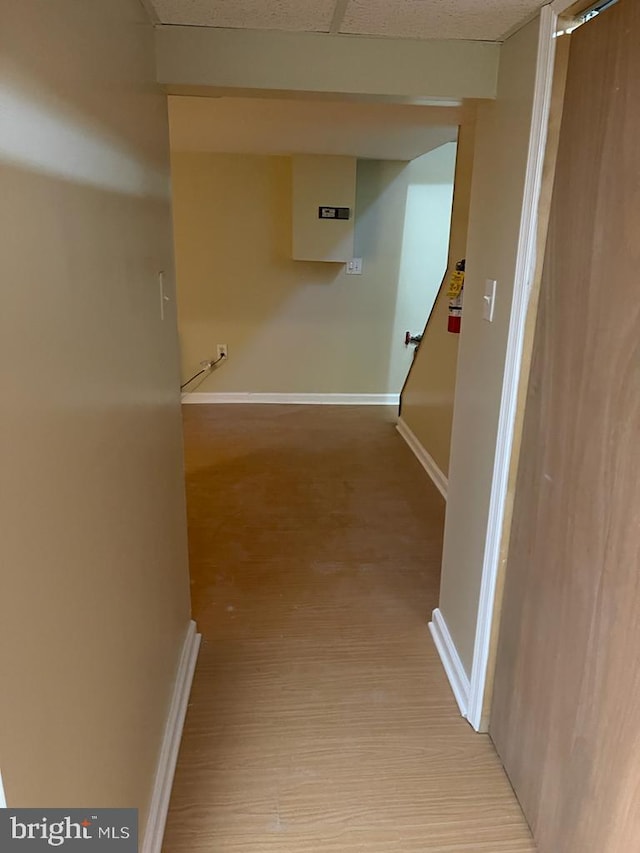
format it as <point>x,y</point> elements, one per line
<point>525,265</point>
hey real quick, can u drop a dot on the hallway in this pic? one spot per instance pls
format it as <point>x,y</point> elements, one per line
<point>321,720</point>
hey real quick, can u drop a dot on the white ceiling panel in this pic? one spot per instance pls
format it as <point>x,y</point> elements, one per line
<point>485,20</point>
<point>293,15</point>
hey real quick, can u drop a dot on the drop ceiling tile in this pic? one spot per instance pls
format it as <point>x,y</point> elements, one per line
<point>442,19</point>
<point>297,15</point>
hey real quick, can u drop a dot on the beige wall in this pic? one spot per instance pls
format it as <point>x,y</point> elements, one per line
<point>372,130</point>
<point>319,62</point>
<point>95,601</point>
<point>501,149</point>
<point>295,326</point>
<point>427,397</point>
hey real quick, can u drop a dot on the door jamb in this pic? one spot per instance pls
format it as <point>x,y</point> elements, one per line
<point>525,268</point>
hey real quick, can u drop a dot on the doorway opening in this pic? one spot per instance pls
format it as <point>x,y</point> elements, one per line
<point>307,316</point>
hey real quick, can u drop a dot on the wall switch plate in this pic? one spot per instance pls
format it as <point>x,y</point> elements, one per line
<point>489,300</point>
<point>354,266</point>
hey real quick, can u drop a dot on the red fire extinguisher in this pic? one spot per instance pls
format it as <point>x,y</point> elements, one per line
<point>456,286</point>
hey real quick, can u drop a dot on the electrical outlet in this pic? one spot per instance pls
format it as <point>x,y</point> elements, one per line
<point>222,351</point>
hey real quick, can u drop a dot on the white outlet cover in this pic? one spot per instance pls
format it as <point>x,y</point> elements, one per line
<point>354,266</point>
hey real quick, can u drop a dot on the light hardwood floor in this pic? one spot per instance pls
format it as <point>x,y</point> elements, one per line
<point>321,720</point>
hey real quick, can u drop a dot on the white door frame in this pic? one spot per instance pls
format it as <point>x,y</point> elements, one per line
<point>525,265</point>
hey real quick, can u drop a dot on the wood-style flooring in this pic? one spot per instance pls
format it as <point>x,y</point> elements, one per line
<point>321,720</point>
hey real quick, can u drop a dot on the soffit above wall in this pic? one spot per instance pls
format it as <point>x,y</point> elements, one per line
<point>485,20</point>
<point>271,126</point>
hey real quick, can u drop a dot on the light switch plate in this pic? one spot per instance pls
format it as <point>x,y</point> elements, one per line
<point>354,266</point>
<point>489,300</point>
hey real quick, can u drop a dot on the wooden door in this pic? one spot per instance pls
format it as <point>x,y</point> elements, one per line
<point>566,710</point>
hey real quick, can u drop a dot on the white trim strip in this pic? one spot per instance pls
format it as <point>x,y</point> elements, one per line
<point>424,457</point>
<point>168,759</point>
<point>458,678</point>
<point>525,265</point>
<point>294,399</point>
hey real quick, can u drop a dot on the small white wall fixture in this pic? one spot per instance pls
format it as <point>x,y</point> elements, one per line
<point>323,186</point>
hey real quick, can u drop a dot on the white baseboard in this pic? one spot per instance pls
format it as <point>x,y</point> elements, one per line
<point>458,678</point>
<point>290,399</point>
<point>424,458</point>
<point>161,793</point>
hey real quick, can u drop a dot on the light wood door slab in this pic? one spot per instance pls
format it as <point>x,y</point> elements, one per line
<point>566,711</point>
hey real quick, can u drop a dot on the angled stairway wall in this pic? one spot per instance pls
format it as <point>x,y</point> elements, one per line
<point>427,396</point>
